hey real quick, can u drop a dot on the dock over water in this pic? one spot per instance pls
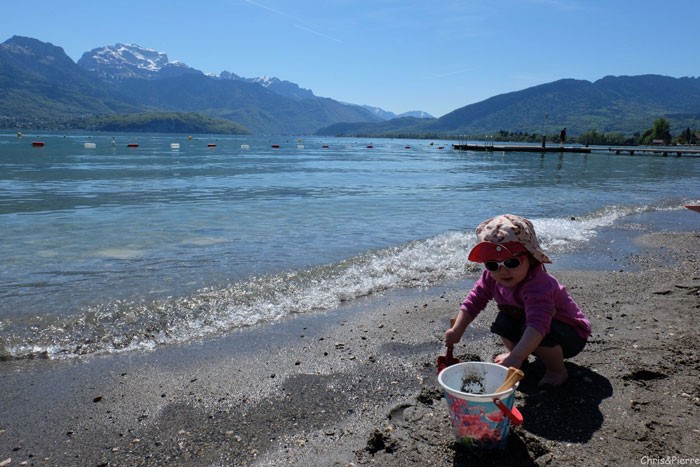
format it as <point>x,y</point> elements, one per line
<point>519,148</point>
<point>677,151</point>
<point>660,151</point>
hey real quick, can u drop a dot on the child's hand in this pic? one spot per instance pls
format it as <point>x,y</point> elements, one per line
<point>508,360</point>
<point>452,337</point>
<point>457,328</point>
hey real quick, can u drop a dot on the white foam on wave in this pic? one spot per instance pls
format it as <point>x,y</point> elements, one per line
<point>421,263</point>
<point>123,326</point>
<point>567,233</point>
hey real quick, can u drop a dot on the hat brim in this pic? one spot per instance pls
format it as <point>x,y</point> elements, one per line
<point>489,251</point>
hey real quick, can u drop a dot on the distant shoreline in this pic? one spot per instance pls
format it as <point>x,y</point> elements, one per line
<point>148,122</point>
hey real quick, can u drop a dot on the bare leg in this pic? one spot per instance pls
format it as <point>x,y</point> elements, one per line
<point>553,359</point>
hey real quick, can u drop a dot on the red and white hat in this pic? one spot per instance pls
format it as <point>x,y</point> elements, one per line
<point>504,236</point>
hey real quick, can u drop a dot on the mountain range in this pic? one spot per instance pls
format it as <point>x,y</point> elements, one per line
<point>623,104</point>
<point>40,86</point>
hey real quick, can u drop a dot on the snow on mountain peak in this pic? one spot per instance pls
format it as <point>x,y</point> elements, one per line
<point>265,81</point>
<point>124,61</point>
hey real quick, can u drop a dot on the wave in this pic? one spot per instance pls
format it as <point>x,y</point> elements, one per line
<point>121,326</point>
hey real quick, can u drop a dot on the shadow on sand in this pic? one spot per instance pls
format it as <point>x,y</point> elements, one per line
<point>570,412</point>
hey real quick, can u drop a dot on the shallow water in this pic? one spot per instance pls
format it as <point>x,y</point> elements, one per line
<point>117,248</point>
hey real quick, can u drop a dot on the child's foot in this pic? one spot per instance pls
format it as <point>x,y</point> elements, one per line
<point>553,378</point>
<point>499,359</point>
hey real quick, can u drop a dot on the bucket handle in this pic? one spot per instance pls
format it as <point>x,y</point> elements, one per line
<point>514,415</point>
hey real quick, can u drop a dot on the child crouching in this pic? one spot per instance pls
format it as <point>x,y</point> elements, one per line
<point>536,313</point>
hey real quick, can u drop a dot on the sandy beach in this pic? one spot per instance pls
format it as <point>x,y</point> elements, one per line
<point>358,386</point>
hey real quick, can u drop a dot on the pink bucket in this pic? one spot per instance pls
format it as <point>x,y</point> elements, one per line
<point>480,417</point>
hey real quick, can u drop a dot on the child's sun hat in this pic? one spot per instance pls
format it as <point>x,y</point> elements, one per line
<point>505,236</point>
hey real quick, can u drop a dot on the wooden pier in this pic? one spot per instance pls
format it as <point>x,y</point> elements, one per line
<point>664,151</point>
<point>519,148</point>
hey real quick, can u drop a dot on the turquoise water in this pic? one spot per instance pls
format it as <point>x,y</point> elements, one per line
<point>114,248</point>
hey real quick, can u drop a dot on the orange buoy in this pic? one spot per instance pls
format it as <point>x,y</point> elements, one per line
<point>132,145</point>
<point>276,146</point>
<point>38,144</point>
<point>211,145</point>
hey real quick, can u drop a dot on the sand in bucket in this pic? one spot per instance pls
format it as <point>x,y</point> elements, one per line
<point>470,390</point>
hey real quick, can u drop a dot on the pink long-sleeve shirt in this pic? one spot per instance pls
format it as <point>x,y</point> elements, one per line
<point>539,295</point>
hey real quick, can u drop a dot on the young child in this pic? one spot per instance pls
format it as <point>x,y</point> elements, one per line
<point>536,313</point>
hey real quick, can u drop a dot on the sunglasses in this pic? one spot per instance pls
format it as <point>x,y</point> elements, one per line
<point>510,263</point>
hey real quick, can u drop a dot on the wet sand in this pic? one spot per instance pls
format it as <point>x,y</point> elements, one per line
<point>358,386</point>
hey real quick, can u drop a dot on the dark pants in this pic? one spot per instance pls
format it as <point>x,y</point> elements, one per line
<point>512,328</point>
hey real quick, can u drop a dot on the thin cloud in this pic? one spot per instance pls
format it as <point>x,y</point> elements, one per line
<point>268,8</point>
<point>317,33</point>
<point>297,20</point>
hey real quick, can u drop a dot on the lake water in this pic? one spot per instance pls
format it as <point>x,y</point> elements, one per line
<point>117,248</point>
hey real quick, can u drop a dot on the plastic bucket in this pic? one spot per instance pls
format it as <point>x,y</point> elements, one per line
<point>476,418</point>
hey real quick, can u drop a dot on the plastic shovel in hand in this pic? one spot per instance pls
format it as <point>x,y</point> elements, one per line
<point>446,360</point>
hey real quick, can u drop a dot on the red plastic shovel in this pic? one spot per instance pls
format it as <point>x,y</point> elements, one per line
<point>514,415</point>
<point>447,360</point>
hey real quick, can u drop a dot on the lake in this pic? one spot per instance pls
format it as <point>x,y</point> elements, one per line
<point>114,248</point>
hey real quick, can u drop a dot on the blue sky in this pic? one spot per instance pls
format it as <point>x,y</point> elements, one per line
<point>401,55</point>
